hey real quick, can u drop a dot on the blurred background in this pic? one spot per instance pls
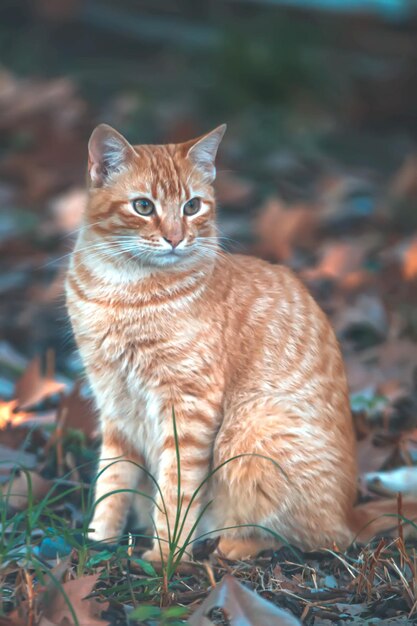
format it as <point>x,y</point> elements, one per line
<point>318,168</point>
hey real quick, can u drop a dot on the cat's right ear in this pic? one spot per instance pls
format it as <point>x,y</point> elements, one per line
<point>108,154</point>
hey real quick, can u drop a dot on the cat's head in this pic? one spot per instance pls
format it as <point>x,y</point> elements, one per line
<point>152,202</point>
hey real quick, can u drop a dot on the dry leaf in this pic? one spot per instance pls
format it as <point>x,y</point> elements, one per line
<point>396,360</point>
<point>45,622</point>
<point>15,618</point>
<point>32,387</point>
<point>14,424</point>
<point>68,208</point>
<point>14,437</point>
<point>87,610</point>
<point>344,200</point>
<point>26,98</point>
<point>360,376</point>
<point>404,182</point>
<point>339,260</point>
<point>57,573</point>
<point>231,190</point>
<point>9,416</point>
<point>366,316</point>
<point>351,610</point>
<point>393,360</point>
<point>242,607</point>
<point>410,261</point>
<point>79,411</point>
<point>55,577</point>
<point>17,493</point>
<point>280,228</point>
<point>371,457</point>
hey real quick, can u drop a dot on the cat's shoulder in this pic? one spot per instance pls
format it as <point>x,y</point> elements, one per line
<point>255,265</point>
<point>246,270</point>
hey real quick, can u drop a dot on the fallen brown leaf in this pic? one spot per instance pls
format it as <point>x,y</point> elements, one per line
<point>242,607</point>
<point>87,611</point>
<point>15,618</point>
<point>17,492</point>
<point>23,98</point>
<point>339,260</point>
<point>280,228</point>
<point>393,360</point>
<point>371,458</point>
<point>67,209</point>
<point>32,386</point>
<point>396,360</point>
<point>231,190</point>
<point>404,183</point>
<point>9,416</point>
<point>367,315</point>
<point>410,261</point>
<point>54,578</point>
<point>345,198</point>
<point>79,411</point>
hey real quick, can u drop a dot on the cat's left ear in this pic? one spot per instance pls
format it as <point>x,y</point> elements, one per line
<point>202,151</point>
<point>108,154</point>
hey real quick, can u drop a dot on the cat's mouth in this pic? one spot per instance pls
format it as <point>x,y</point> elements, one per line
<point>169,257</point>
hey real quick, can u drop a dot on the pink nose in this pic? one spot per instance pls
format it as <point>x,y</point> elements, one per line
<point>174,240</point>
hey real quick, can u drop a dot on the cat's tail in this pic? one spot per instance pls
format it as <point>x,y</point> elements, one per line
<point>381,516</point>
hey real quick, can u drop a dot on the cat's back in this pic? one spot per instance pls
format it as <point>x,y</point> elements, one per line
<point>283,343</point>
<point>272,308</point>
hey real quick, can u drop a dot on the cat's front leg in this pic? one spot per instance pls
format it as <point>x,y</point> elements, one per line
<point>181,485</point>
<point>118,471</point>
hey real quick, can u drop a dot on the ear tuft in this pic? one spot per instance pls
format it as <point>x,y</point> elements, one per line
<point>204,149</point>
<point>108,154</point>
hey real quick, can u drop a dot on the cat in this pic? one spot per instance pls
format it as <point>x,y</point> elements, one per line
<point>232,347</point>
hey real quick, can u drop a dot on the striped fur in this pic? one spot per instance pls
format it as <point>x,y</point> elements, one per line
<point>237,347</point>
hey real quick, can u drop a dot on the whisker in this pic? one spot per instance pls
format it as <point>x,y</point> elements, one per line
<point>116,255</point>
<point>216,251</point>
<point>109,242</point>
<point>220,239</point>
<point>90,247</point>
<point>82,227</point>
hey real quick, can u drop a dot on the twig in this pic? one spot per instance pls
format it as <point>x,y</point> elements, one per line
<point>210,574</point>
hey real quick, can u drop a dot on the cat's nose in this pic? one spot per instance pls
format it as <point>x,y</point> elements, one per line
<point>174,240</point>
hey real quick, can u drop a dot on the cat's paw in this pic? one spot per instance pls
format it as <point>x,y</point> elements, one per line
<point>154,555</point>
<point>239,549</point>
<point>102,533</point>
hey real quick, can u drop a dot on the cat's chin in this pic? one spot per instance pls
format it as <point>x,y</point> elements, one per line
<point>168,260</point>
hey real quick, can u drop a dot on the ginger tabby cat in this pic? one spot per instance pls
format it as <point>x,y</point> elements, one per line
<point>236,346</point>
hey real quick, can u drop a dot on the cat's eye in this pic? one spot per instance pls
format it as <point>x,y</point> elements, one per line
<point>143,206</point>
<point>192,206</point>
